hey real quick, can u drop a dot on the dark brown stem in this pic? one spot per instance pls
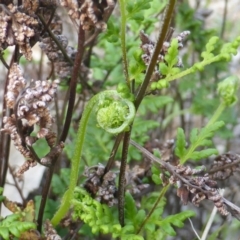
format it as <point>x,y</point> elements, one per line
<point>49,22</point>
<point>73,83</point>
<point>5,139</point>
<point>161,37</point>
<point>3,61</point>
<point>224,20</point>
<point>72,94</point>
<point>113,152</point>
<point>121,184</point>
<point>167,20</point>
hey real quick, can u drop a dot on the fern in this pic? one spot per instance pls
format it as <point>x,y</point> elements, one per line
<point>198,138</point>
<point>60,181</point>
<point>18,223</point>
<point>172,73</point>
<point>13,226</point>
<point>171,59</point>
<point>102,219</point>
<point>227,90</point>
<point>154,104</point>
<point>135,10</point>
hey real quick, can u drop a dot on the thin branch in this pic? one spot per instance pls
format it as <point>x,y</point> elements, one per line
<point>194,230</point>
<point>113,152</point>
<point>16,184</point>
<point>121,184</point>
<point>5,139</point>
<point>123,40</point>
<point>224,19</point>
<point>73,83</point>
<point>170,168</point>
<point>161,37</point>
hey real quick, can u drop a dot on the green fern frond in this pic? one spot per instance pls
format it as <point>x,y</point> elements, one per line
<point>135,9</point>
<point>102,219</point>
<point>198,138</point>
<point>174,220</point>
<point>13,226</point>
<point>225,54</point>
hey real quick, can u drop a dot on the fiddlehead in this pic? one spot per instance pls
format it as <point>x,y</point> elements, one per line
<point>114,114</point>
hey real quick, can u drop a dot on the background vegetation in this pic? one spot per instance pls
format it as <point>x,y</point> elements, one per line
<point>85,48</point>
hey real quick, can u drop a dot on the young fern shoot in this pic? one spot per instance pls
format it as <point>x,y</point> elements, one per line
<point>201,138</point>
<point>114,116</point>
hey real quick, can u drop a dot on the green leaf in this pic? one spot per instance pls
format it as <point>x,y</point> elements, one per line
<point>172,55</point>
<point>130,207</point>
<point>176,220</point>
<point>4,232</point>
<point>163,68</point>
<point>60,181</point>
<point>127,229</point>
<point>197,155</point>
<point>193,135</point>
<point>166,227</point>
<point>14,230</point>
<point>180,143</point>
<point>206,142</point>
<point>150,227</point>
<point>139,218</point>
<point>156,179</point>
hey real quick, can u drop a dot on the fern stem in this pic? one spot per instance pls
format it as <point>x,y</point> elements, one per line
<point>66,201</point>
<point>162,193</point>
<point>123,39</point>
<point>193,68</point>
<point>161,37</point>
<point>217,114</point>
<point>121,188</point>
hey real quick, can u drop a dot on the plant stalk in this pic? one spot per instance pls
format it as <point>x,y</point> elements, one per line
<point>161,37</point>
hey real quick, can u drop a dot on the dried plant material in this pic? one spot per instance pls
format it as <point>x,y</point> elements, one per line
<point>62,66</point>
<point>26,165</point>
<point>16,84</point>
<point>49,232</point>
<point>198,189</point>
<point>53,154</point>
<point>166,150</point>
<point>73,7</point>
<point>30,6</point>
<point>89,12</point>
<point>18,27</point>
<point>224,166</point>
<point>30,108</point>
<point>134,176</point>
<point>193,186</point>
<point>101,186</point>
<point>92,15</point>
<point>147,46</point>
